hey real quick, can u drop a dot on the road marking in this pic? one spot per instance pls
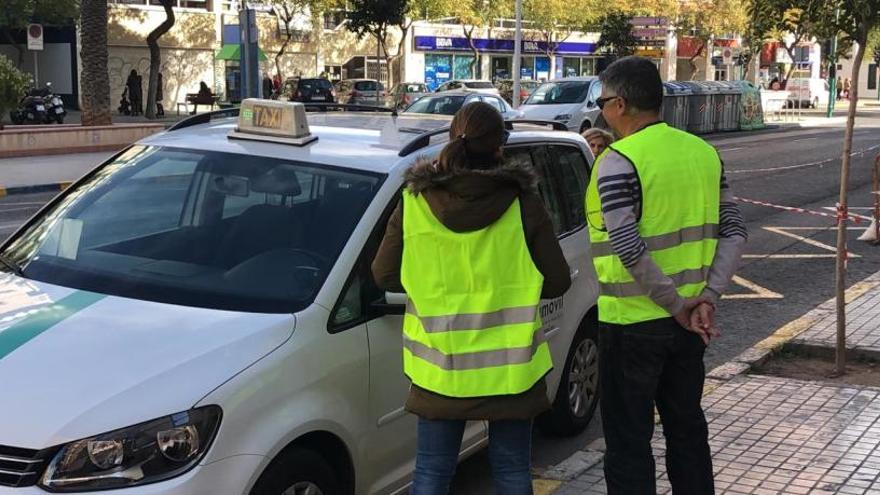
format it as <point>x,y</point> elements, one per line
<point>792,256</point>
<point>10,225</point>
<point>828,228</point>
<point>732,149</point>
<point>26,208</point>
<point>758,292</point>
<point>806,240</point>
<point>804,139</point>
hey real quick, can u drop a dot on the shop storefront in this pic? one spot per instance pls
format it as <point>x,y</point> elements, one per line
<point>451,57</point>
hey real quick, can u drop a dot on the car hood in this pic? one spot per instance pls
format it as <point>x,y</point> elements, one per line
<point>547,112</point>
<point>75,364</point>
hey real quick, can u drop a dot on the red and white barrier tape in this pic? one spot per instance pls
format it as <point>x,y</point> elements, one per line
<point>838,217</point>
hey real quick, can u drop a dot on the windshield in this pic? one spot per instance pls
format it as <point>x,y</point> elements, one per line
<point>313,84</point>
<point>479,85</point>
<point>557,93</point>
<point>198,228</point>
<point>365,85</point>
<point>415,88</point>
<point>442,105</point>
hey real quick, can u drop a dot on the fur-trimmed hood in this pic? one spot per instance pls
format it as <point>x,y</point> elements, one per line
<point>467,200</point>
<point>425,175</point>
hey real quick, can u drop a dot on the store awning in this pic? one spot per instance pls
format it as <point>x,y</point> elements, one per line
<point>232,51</point>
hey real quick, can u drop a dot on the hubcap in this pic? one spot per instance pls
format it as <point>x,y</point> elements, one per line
<point>303,488</point>
<point>583,378</point>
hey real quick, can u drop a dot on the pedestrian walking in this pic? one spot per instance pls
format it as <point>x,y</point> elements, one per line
<point>474,249</point>
<point>666,239</point>
<point>847,86</point>
<point>160,95</point>
<point>598,139</point>
<point>839,87</point>
<point>135,92</point>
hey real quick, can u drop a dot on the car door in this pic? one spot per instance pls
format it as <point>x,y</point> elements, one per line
<point>392,444</point>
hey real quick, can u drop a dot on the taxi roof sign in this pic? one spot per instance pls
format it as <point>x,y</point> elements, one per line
<point>273,121</point>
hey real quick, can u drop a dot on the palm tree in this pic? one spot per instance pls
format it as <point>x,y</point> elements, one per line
<point>93,54</point>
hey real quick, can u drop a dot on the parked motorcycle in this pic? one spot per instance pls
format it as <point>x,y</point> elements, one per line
<point>54,106</point>
<point>31,109</point>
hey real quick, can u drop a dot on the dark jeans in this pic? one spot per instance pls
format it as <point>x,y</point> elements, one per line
<point>641,365</point>
<point>510,445</point>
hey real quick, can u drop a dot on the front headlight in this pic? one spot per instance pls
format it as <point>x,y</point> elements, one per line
<point>146,453</point>
<point>563,117</point>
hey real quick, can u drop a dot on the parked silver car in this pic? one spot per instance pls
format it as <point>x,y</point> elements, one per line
<point>449,102</point>
<point>468,85</point>
<point>403,94</point>
<point>361,92</point>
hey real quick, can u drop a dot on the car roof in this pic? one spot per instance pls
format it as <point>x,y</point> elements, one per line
<point>456,92</point>
<point>578,78</point>
<point>356,140</point>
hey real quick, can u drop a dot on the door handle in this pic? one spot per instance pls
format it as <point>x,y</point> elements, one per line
<point>574,273</point>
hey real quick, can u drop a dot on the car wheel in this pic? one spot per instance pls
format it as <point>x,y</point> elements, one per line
<point>59,119</point>
<point>298,472</point>
<point>586,125</point>
<point>578,392</point>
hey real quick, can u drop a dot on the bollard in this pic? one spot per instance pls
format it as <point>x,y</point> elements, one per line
<point>873,233</point>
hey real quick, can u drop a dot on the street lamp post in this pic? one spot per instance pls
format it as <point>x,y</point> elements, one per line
<point>517,55</point>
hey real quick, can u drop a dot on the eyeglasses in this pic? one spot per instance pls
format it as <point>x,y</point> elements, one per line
<point>600,102</point>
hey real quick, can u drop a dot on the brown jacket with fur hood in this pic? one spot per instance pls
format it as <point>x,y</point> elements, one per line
<point>465,201</point>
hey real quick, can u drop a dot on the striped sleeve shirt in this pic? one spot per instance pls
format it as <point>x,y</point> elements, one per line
<point>621,196</point>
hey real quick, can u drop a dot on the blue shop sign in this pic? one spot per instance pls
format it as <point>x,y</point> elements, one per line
<point>459,44</point>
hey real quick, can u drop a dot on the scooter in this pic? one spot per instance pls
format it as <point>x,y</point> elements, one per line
<point>31,109</point>
<point>54,106</point>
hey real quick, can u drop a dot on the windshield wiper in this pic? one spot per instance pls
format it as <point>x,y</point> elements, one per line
<point>11,265</point>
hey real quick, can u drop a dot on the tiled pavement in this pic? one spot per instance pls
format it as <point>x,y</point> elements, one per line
<point>779,436</point>
<point>863,326</point>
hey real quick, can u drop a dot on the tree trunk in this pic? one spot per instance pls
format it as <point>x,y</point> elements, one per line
<point>469,35</point>
<point>840,354</point>
<point>404,29</point>
<point>693,64</point>
<point>156,57</point>
<point>93,53</point>
<point>281,52</point>
<point>791,55</point>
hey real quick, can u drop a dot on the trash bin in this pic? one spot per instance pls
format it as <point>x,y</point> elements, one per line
<point>700,116</point>
<point>751,112</point>
<point>718,103</point>
<point>731,106</point>
<point>675,104</point>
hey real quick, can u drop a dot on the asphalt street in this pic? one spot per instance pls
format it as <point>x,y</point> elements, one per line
<point>789,265</point>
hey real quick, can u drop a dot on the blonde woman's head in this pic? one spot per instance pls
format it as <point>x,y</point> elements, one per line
<point>598,139</point>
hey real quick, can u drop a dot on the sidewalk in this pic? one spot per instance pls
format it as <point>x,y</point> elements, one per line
<point>772,435</point>
<point>45,173</point>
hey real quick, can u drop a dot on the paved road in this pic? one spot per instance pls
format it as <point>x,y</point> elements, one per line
<point>789,266</point>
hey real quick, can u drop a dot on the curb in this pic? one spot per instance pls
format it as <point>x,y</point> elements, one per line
<point>758,354</point>
<point>38,188</point>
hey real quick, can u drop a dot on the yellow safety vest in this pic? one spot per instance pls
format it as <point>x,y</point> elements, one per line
<point>680,177</point>
<point>472,326</point>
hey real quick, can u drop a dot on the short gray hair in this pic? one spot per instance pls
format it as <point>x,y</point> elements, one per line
<point>636,80</point>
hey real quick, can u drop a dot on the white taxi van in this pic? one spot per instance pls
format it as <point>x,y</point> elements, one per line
<point>197,314</point>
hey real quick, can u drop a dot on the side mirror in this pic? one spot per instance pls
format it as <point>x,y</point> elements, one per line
<point>394,303</point>
<point>591,103</point>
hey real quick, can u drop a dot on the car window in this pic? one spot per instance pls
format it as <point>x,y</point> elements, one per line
<point>199,228</point>
<point>442,104</point>
<point>416,88</point>
<point>536,158</point>
<point>496,103</point>
<point>595,92</point>
<point>365,86</point>
<point>350,307</point>
<point>572,171</point>
<point>479,85</point>
<point>555,93</point>
<point>314,84</point>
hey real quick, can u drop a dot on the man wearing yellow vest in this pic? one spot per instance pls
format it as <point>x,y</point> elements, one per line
<point>666,238</point>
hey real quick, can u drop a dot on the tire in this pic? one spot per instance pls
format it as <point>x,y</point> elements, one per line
<point>59,118</point>
<point>584,126</point>
<point>578,392</point>
<point>298,472</point>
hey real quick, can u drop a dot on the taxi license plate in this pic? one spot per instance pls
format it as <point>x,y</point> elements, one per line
<point>267,117</point>
<point>41,108</point>
<point>318,98</point>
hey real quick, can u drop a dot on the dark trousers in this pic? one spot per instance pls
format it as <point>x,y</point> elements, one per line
<point>641,365</point>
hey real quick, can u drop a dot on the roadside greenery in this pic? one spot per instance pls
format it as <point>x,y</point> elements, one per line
<point>13,84</point>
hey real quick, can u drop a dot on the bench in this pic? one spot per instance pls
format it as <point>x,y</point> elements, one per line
<point>193,98</point>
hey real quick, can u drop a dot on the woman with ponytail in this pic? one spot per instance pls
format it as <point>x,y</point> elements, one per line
<point>471,228</point>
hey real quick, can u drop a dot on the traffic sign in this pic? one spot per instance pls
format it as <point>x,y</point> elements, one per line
<point>35,37</point>
<point>727,56</point>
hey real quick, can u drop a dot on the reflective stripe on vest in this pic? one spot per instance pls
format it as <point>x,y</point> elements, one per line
<point>472,326</point>
<point>680,177</point>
